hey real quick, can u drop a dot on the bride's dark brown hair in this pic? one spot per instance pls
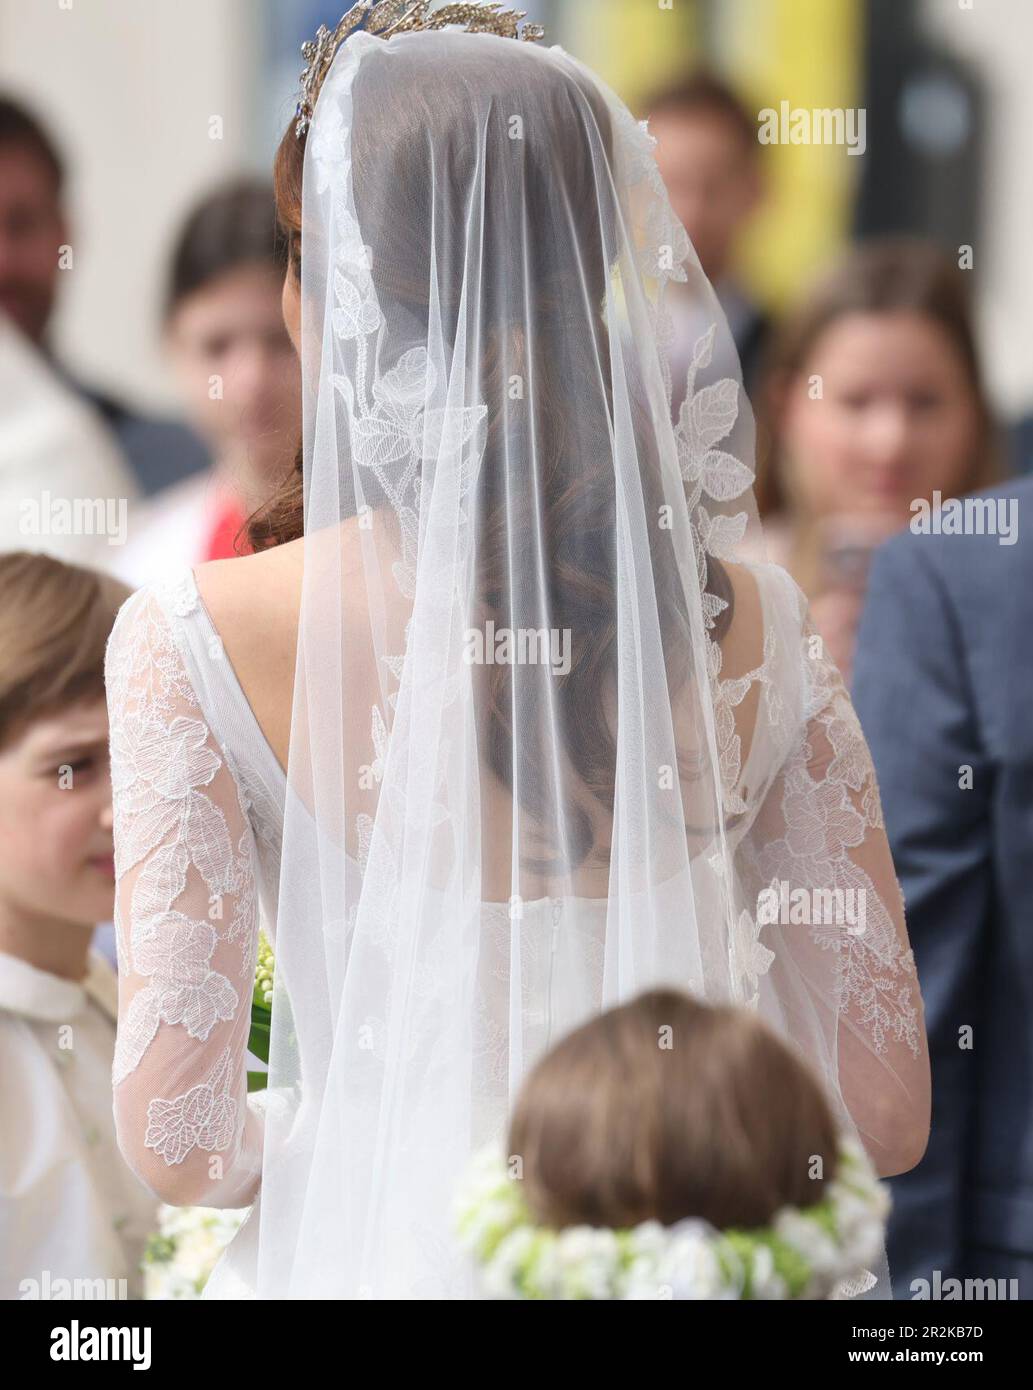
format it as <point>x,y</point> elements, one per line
<point>565,205</point>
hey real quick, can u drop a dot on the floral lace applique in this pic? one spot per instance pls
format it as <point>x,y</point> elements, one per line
<point>826,817</point>
<point>851,763</point>
<point>205,1117</point>
<point>394,433</point>
<point>163,762</point>
<point>727,696</point>
<point>706,417</point>
<point>182,594</point>
<point>749,957</point>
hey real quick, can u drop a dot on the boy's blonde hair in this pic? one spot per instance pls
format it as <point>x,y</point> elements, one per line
<point>55,620</point>
<point>623,1122</point>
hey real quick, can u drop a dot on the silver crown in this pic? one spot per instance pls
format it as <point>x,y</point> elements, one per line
<point>388,17</point>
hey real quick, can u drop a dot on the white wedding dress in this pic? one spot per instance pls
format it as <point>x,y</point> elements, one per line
<point>199,804</point>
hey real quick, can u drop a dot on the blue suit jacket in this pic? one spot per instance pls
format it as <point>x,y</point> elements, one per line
<point>943,682</point>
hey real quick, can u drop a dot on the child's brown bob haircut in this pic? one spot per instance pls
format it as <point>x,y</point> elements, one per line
<point>55,620</point>
<point>667,1108</point>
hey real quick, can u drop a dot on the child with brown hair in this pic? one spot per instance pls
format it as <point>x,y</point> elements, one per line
<point>673,1149</point>
<point>71,1212</point>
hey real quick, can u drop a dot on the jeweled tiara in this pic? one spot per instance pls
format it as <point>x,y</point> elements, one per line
<point>387,17</point>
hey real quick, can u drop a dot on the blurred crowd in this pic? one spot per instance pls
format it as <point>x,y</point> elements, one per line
<point>868,390</point>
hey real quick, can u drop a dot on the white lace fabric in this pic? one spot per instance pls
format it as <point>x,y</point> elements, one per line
<point>477,847</point>
<point>192,834</point>
<point>186,912</point>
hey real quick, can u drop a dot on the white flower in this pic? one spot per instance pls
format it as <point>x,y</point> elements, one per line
<point>586,1258</point>
<point>503,1271</point>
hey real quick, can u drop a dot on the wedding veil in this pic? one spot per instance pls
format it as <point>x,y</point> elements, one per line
<point>547,718</point>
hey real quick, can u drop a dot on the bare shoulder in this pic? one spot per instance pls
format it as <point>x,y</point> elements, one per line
<point>254,602</point>
<point>253,597</point>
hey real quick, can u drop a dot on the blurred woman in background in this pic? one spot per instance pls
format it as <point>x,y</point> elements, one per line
<point>872,398</point>
<point>238,378</point>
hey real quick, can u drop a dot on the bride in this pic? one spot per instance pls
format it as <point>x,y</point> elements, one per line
<point>499,727</point>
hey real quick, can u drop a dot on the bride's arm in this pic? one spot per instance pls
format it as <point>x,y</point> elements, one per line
<point>883,1047</point>
<point>186,925</point>
<point>845,991</point>
<point>821,830</point>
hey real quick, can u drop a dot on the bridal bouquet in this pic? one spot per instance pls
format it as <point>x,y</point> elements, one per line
<point>261,1012</point>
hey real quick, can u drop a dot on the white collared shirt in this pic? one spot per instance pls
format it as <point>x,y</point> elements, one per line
<point>70,1207</point>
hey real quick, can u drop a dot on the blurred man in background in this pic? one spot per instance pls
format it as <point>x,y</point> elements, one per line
<point>709,158</point>
<point>33,228</point>
<point>943,677</point>
<point>65,487</point>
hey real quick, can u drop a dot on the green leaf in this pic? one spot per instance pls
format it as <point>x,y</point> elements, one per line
<point>258,1038</point>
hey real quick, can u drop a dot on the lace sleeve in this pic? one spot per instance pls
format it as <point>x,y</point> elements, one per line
<point>831,921</point>
<point>186,928</point>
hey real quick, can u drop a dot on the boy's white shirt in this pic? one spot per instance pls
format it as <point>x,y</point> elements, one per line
<point>70,1207</point>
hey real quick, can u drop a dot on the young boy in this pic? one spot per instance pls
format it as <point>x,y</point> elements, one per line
<point>70,1208</point>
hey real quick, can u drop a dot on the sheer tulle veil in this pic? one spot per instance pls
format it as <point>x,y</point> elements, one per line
<point>553,733</point>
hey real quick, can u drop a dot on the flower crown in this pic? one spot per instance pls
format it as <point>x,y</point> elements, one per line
<point>805,1253</point>
<point>387,17</point>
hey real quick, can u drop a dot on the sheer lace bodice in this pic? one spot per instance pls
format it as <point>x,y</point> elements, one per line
<point>199,810</point>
